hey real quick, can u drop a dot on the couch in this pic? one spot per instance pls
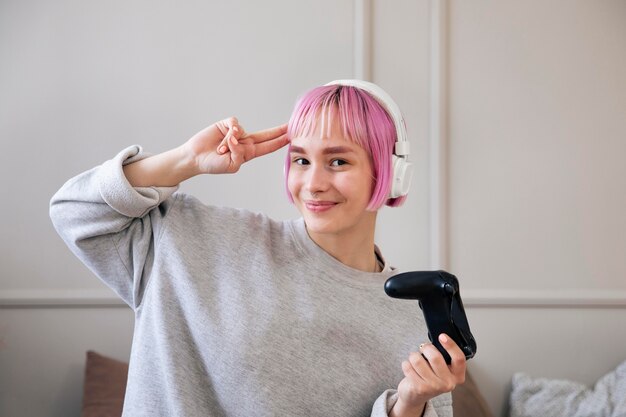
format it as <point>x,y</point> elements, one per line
<point>105,384</point>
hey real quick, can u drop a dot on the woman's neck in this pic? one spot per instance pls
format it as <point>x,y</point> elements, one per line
<point>353,247</point>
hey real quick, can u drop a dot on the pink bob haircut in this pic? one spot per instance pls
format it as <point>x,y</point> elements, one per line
<point>364,121</point>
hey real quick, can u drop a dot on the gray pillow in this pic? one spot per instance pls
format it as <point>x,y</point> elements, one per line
<point>533,397</point>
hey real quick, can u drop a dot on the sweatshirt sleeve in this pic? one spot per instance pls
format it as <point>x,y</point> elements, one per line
<point>111,226</point>
<point>440,406</point>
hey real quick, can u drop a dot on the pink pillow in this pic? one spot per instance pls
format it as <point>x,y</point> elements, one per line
<point>105,385</point>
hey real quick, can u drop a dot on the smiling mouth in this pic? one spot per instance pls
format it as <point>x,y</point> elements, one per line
<point>319,206</point>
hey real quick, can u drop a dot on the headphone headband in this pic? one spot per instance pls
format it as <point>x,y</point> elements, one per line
<point>402,142</point>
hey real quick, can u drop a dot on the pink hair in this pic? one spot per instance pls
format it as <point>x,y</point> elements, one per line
<point>364,121</point>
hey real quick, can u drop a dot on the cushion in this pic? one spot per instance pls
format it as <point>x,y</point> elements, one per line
<point>467,401</point>
<point>105,385</point>
<point>563,398</point>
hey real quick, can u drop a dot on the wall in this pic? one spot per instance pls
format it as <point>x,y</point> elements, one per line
<point>515,117</point>
<point>537,180</point>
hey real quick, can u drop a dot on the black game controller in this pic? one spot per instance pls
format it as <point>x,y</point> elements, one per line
<point>440,301</point>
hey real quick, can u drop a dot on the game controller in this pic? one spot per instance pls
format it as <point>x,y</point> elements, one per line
<point>440,300</point>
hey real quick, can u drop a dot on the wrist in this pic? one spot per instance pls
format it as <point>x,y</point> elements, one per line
<point>187,163</point>
<point>401,409</point>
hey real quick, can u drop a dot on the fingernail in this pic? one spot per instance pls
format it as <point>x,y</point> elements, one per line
<point>222,149</point>
<point>443,338</point>
<point>234,140</point>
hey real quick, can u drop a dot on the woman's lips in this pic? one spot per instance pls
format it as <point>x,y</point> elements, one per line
<point>319,206</point>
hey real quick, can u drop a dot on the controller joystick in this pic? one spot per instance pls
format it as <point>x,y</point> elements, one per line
<point>440,300</point>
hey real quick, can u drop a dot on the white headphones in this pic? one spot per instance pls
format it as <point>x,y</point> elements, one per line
<point>402,169</point>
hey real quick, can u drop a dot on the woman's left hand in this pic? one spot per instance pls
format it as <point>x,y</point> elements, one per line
<point>427,375</point>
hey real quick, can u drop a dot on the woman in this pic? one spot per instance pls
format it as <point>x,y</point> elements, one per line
<point>237,314</point>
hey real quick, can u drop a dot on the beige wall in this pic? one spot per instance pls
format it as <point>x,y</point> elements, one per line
<point>528,99</point>
<point>537,144</point>
<point>537,185</point>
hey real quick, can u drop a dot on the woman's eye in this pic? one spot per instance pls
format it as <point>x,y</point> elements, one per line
<point>301,161</point>
<point>338,162</point>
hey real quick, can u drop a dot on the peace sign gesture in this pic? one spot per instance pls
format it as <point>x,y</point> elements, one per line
<point>218,149</point>
<point>224,146</point>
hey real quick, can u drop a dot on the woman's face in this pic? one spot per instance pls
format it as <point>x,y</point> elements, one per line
<point>331,183</point>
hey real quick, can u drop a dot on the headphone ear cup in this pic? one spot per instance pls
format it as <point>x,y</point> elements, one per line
<point>401,180</point>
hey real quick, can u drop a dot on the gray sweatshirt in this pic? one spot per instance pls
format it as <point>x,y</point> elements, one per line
<point>236,314</point>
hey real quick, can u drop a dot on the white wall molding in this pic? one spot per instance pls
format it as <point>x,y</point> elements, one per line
<point>363,40</point>
<point>48,298</point>
<point>487,298</point>
<point>438,143</point>
<point>571,298</point>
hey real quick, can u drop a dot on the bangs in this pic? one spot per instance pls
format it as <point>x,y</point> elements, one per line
<point>321,105</point>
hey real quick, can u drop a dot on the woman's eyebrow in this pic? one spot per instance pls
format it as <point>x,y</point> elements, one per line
<point>337,149</point>
<point>325,151</point>
<point>296,149</point>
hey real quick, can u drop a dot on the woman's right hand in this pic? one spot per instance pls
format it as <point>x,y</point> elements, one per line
<point>224,146</point>
<point>218,149</point>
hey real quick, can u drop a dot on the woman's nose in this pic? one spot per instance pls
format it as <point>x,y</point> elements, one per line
<point>318,179</point>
